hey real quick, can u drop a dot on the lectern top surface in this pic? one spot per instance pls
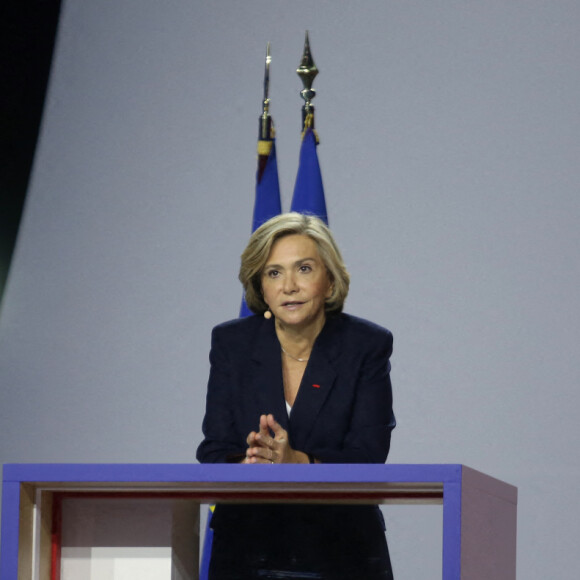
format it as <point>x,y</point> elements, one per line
<point>128,472</point>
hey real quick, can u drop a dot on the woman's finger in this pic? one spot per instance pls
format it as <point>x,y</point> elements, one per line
<point>265,441</point>
<point>261,455</point>
<point>251,439</point>
<point>264,425</point>
<point>280,434</point>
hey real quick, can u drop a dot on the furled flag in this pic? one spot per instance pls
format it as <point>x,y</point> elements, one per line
<point>267,202</point>
<point>266,205</point>
<point>308,191</point>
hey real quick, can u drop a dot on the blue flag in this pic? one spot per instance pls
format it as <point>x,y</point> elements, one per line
<point>207,543</point>
<point>308,190</point>
<point>267,203</point>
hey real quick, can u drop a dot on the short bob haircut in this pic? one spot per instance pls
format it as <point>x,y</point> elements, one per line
<point>258,250</point>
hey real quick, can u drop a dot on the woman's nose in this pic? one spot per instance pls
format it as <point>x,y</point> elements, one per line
<point>290,284</point>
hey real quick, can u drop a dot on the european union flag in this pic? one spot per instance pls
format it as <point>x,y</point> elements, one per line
<point>267,203</point>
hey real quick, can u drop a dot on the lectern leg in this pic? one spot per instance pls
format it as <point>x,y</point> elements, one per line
<point>451,531</point>
<point>10,530</point>
<point>185,540</point>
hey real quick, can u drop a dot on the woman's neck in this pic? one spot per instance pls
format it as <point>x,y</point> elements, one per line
<point>296,341</point>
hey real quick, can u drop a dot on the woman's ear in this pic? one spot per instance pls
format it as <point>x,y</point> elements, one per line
<point>330,290</point>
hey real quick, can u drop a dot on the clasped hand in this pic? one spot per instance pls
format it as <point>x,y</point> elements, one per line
<point>265,448</point>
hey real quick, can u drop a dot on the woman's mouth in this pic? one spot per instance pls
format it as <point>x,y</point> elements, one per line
<point>292,305</point>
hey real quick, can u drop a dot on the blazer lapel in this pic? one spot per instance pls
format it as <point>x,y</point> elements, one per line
<point>266,379</point>
<point>317,382</point>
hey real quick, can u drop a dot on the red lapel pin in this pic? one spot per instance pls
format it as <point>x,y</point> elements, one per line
<point>316,386</point>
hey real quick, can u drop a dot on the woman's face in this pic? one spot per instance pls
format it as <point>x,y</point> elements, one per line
<point>295,282</point>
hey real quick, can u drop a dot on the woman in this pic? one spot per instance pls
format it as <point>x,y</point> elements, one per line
<point>301,382</point>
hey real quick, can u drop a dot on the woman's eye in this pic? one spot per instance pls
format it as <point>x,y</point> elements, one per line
<point>305,268</point>
<point>273,273</point>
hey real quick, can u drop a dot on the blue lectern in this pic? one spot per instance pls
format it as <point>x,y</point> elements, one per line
<point>479,512</point>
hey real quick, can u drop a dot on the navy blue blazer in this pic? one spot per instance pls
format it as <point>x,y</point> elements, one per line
<point>343,411</point>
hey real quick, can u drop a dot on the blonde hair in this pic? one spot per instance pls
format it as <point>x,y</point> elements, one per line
<point>258,250</point>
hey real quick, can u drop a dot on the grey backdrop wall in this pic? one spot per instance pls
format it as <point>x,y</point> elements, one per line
<point>449,149</point>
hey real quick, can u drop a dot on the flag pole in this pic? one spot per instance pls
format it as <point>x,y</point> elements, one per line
<point>266,129</point>
<point>267,203</point>
<point>265,119</point>
<point>308,195</point>
<point>307,71</point>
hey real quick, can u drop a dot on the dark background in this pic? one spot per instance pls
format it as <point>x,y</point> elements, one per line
<point>27,35</point>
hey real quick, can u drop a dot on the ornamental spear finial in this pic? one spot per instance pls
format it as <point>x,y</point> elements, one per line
<point>265,119</point>
<point>307,71</point>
